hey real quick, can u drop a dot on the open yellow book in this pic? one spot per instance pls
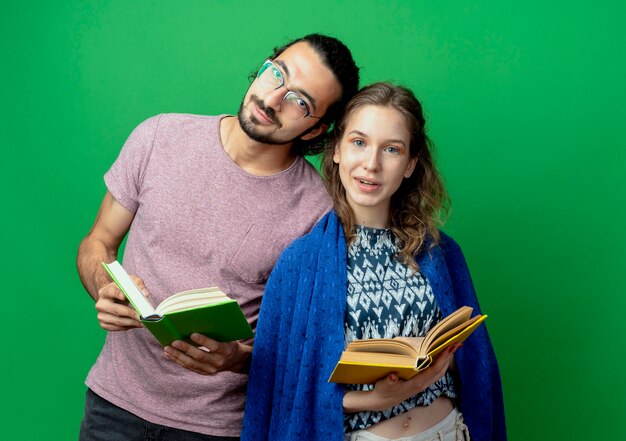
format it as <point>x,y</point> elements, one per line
<point>366,361</point>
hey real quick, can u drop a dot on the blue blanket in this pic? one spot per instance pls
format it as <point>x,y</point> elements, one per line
<point>299,339</point>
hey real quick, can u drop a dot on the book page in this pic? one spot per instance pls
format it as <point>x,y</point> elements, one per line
<point>458,334</point>
<point>386,346</point>
<point>453,320</point>
<point>191,299</point>
<point>378,359</point>
<point>123,281</point>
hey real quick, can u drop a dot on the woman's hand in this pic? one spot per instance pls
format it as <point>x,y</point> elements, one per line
<point>391,390</point>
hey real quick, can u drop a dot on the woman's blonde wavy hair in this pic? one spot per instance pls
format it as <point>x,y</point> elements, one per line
<point>421,204</point>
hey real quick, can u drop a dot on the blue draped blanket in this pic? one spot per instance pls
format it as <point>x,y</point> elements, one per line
<point>300,337</point>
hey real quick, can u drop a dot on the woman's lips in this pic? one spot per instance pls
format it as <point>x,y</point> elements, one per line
<point>367,185</point>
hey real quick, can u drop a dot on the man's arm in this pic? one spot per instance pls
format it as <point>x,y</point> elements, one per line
<point>101,245</point>
<point>114,314</point>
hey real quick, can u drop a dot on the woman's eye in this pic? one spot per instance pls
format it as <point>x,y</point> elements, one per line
<point>359,143</point>
<point>393,150</point>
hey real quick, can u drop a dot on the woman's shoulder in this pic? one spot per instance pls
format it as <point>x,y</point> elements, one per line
<point>445,250</point>
<point>296,248</point>
<point>446,242</point>
<point>451,253</point>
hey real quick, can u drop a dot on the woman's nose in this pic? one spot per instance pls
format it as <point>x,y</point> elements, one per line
<point>371,160</point>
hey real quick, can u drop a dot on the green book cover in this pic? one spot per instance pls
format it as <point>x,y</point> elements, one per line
<point>206,311</point>
<point>220,321</point>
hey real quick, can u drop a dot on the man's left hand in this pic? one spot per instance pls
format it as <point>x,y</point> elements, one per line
<point>209,356</point>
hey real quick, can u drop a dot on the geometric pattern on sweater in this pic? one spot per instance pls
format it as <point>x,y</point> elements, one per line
<point>387,299</point>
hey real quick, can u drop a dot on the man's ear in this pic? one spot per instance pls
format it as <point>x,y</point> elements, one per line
<point>314,132</point>
<point>410,167</point>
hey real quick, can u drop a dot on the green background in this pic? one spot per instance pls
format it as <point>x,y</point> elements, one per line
<point>525,103</point>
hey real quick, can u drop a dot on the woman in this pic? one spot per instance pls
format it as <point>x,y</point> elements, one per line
<point>403,275</point>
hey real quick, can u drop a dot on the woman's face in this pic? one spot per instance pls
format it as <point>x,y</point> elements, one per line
<point>373,159</point>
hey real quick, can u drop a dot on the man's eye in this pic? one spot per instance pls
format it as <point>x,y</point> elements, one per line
<point>301,103</point>
<point>276,73</point>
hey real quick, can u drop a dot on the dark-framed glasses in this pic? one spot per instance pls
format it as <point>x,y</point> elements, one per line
<point>271,78</point>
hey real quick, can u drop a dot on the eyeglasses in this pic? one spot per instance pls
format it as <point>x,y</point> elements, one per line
<point>271,78</point>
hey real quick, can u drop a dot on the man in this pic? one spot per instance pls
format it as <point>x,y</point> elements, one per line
<point>205,201</point>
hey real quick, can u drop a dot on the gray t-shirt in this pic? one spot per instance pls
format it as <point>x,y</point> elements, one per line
<point>200,220</point>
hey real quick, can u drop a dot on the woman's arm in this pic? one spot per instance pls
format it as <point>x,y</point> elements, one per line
<point>391,390</point>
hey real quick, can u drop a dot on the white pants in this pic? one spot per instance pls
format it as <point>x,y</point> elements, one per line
<point>451,428</point>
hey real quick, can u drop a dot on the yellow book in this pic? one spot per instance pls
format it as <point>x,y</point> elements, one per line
<point>366,361</point>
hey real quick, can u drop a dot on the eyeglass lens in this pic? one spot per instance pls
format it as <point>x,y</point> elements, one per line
<point>271,78</point>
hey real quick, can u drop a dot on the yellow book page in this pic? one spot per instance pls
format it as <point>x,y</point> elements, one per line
<point>377,359</point>
<point>400,346</point>
<point>449,322</point>
<point>442,343</point>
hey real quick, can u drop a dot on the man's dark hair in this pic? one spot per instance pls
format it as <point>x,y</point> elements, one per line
<point>337,57</point>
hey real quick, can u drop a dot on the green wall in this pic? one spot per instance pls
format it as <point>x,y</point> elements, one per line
<point>526,106</point>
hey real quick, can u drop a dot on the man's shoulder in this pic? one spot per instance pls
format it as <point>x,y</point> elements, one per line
<point>177,126</point>
<point>311,240</point>
<point>305,190</point>
<point>181,119</point>
<point>309,176</point>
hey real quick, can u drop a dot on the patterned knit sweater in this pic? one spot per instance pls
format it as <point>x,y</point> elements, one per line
<point>387,299</point>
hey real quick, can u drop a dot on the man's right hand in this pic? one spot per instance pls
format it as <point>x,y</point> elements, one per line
<point>101,245</point>
<point>114,312</point>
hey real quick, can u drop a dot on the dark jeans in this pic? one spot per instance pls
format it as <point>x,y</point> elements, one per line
<point>104,421</point>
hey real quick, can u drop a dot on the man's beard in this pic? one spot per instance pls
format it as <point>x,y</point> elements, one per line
<point>249,125</point>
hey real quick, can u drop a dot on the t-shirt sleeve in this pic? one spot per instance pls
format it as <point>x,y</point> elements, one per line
<point>124,178</point>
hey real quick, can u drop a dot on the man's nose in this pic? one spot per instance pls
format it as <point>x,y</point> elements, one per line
<point>274,98</point>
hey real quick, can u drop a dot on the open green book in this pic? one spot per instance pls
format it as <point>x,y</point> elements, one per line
<point>366,361</point>
<point>206,311</point>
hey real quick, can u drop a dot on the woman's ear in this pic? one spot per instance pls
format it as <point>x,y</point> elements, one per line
<point>337,154</point>
<point>410,167</point>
